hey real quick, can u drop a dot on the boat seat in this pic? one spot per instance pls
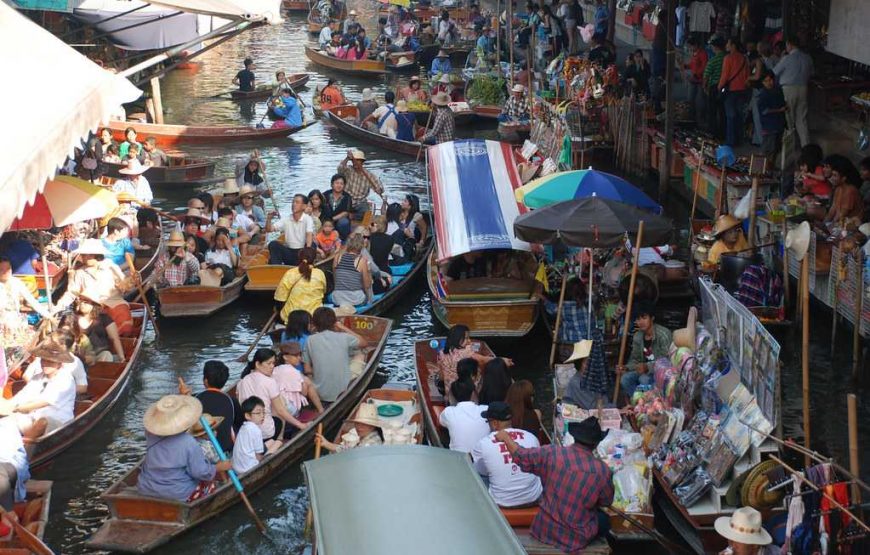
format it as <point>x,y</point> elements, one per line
<point>82,406</point>
<point>106,370</point>
<point>520,517</point>
<point>400,270</point>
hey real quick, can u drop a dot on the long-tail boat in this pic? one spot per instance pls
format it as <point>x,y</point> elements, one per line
<point>171,135</point>
<point>362,68</point>
<point>295,80</point>
<point>296,5</point>
<point>139,523</point>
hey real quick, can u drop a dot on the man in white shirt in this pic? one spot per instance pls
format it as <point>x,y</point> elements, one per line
<point>298,231</point>
<point>76,367</point>
<point>326,35</point>
<point>135,183</point>
<point>464,421</point>
<point>508,485</point>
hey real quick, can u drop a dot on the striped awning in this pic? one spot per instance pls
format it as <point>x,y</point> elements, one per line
<point>473,201</point>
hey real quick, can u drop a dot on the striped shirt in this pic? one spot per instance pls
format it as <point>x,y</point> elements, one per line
<point>713,71</point>
<point>347,277</point>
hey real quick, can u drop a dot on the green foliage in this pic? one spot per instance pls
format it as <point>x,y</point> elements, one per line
<point>487,90</point>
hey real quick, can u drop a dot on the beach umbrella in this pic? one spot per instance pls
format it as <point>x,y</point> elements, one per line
<point>66,200</point>
<point>558,187</point>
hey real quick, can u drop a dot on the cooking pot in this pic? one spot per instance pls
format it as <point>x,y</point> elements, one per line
<point>731,267</point>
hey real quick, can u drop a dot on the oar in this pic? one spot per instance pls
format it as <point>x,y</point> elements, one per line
<point>268,325</point>
<point>309,516</point>
<point>260,123</point>
<point>135,273</point>
<point>232,473</point>
<point>27,537</point>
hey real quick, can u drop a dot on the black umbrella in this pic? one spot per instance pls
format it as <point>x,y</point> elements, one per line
<point>592,222</point>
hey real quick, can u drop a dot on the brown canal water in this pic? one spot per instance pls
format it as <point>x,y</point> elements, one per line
<point>298,164</point>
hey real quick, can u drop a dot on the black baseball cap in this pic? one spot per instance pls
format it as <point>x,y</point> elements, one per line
<point>499,410</point>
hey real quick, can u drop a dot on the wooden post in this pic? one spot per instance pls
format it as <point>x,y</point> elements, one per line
<point>558,317</point>
<point>696,181</point>
<point>859,313</point>
<point>753,196</point>
<point>721,195</point>
<point>158,100</point>
<point>627,324</point>
<point>509,37</point>
<point>665,176</point>
<point>854,467</point>
<point>786,276</point>
<point>805,349</point>
<point>498,36</point>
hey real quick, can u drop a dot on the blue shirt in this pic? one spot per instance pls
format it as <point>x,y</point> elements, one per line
<point>257,214</point>
<point>173,467</point>
<point>21,254</point>
<point>771,99</point>
<point>290,111</point>
<point>116,251</point>
<point>484,43</point>
<point>405,126</point>
<point>440,65</point>
<point>601,17</point>
<point>794,69</point>
<point>301,340</point>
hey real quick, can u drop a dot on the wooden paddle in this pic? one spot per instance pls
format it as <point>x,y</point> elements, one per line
<point>138,279</point>
<point>268,325</point>
<point>232,473</point>
<point>27,537</point>
<point>309,516</point>
<point>256,154</point>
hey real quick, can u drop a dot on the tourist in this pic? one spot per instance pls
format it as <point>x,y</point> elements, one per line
<point>249,208</point>
<point>469,265</point>
<point>129,139</point>
<point>508,486</point>
<point>771,107</point>
<point>221,257</point>
<point>516,109</point>
<point>48,400</point>
<point>298,230</point>
<point>14,472</point>
<point>495,382</point>
<point>380,245</point>
<point>331,96</point>
<point>576,486</point>
<point>14,329</point>
<point>106,140</point>
<point>695,78</point>
<point>135,183</point>
<point>153,155</point>
<point>65,339</point>
<point>650,342</point>
<point>412,225</point>
<point>102,333</point>
<point>327,240</point>
<point>297,327</point>
<point>385,116</point>
<point>245,78</point>
<point>301,287</point>
<point>353,279</point>
<point>463,418</point>
<point>175,467</point>
<point>381,279</point>
<point>328,352</point>
<point>521,399</point>
<point>117,242</point>
<point>134,152</point>
<point>297,389</point>
<point>281,83</point>
<point>414,92</point>
<point>326,33</point>
<point>366,431</point>
<point>745,533</point>
<point>251,171</point>
<point>316,201</point>
<point>733,84</point>
<point>793,73</point>
<point>357,49</point>
<point>111,155</point>
<point>216,401</point>
<point>176,266</point>
<point>249,449</point>
<point>712,76</point>
<point>638,74</point>
<point>443,122</point>
<point>729,238</point>
<point>148,233</point>
<point>349,22</point>
<point>366,105</point>
<point>201,436</point>
<point>359,182</point>
<point>257,380</point>
<point>337,206</point>
<point>287,107</point>
<point>458,346</point>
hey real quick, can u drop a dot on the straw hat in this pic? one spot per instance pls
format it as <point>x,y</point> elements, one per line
<point>445,79</point>
<point>213,422</point>
<point>402,61</point>
<point>176,239</point>
<point>92,246</point>
<point>345,310</point>
<point>724,223</point>
<point>442,54</point>
<point>743,526</point>
<point>401,106</point>
<point>357,154</point>
<point>685,337</point>
<point>124,196</point>
<point>581,350</point>
<point>53,351</point>
<point>231,186</point>
<point>367,94</point>
<point>134,167</point>
<point>864,229</point>
<point>798,240</point>
<point>196,213</point>
<point>753,492</point>
<point>528,171</point>
<point>518,88</point>
<point>248,189</point>
<point>173,414</point>
<point>223,222</point>
<point>352,12</point>
<point>367,414</point>
<point>441,99</point>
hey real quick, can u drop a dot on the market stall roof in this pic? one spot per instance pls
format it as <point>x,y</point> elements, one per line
<point>403,499</point>
<point>44,124</point>
<point>472,186</point>
<point>249,10</point>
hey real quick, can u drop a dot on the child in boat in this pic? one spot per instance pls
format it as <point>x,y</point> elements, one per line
<point>249,448</point>
<point>327,239</point>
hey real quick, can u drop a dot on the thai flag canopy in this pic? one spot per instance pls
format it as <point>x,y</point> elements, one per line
<point>474,205</point>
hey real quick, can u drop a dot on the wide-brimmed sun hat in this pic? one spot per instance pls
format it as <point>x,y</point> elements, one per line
<point>345,310</point>
<point>444,79</point>
<point>213,422</point>
<point>176,239</point>
<point>231,186</point>
<point>173,414</point>
<point>581,350</point>
<point>196,213</point>
<point>53,351</point>
<point>685,337</point>
<point>401,106</point>
<point>367,414</point>
<point>134,167</point>
<point>92,246</point>
<point>441,99</point>
<point>518,88</point>
<point>357,154</point>
<point>798,240</point>
<point>248,189</point>
<point>724,223</point>
<point>367,94</point>
<point>743,526</point>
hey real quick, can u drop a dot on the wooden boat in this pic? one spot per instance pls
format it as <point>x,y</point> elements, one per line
<point>406,399</point>
<point>171,135</point>
<point>344,119</point>
<point>362,68</point>
<point>296,5</point>
<point>264,277</point>
<point>316,22</point>
<point>139,523</point>
<point>106,383</point>
<point>57,276</point>
<point>432,403</point>
<point>462,115</point>
<point>198,300</point>
<point>490,307</point>
<point>514,132</point>
<point>145,262</point>
<point>296,80</point>
<point>486,111</point>
<point>180,171</point>
<point>32,514</point>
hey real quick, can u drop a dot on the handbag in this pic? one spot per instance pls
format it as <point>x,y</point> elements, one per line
<point>724,90</point>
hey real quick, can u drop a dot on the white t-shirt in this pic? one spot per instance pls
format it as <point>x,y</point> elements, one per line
<point>389,126</point>
<point>508,485</point>
<point>243,222</point>
<point>76,368</point>
<point>59,392</point>
<point>465,425</point>
<point>295,231</point>
<point>221,256</point>
<point>249,443</point>
<point>141,190</point>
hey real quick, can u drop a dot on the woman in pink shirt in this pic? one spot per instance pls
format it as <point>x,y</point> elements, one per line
<point>257,380</point>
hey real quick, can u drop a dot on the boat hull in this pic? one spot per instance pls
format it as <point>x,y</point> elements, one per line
<point>354,67</point>
<point>296,80</point>
<point>336,117</point>
<point>295,6</point>
<point>181,171</point>
<point>32,513</point>
<point>514,132</point>
<point>198,300</point>
<point>171,135</point>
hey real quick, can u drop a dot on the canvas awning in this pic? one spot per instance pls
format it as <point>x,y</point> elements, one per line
<point>43,123</point>
<point>473,201</point>
<point>249,10</point>
<point>404,499</point>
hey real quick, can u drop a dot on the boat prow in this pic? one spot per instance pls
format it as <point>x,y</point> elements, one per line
<point>198,300</point>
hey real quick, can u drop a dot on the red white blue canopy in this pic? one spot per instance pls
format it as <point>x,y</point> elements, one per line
<point>473,202</point>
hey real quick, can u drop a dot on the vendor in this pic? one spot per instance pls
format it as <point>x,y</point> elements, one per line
<point>846,201</point>
<point>516,109</point>
<point>650,343</point>
<point>745,534</point>
<point>413,92</point>
<point>729,238</point>
<point>589,383</point>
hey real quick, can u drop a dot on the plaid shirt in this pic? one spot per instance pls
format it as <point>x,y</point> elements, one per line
<point>517,108</point>
<point>759,286</point>
<point>575,485</point>
<point>444,127</point>
<point>357,184</point>
<point>573,328</point>
<point>175,275</point>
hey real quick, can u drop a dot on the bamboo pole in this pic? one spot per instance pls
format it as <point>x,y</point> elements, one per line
<point>627,324</point>
<point>696,182</point>
<point>158,100</point>
<point>854,467</point>
<point>509,37</point>
<point>805,350</point>
<point>786,276</point>
<point>720,195</point>
<point>753,196</point>
<point>558,317</point>
<point>859,313</point>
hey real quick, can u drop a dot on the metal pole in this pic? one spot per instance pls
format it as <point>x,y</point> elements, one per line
<point>101,21</point>
<point>135,25</point>
<point>665,173</point>
<point>805,349</point>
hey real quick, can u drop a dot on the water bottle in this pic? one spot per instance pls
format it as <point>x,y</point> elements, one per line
<point>434,344</point>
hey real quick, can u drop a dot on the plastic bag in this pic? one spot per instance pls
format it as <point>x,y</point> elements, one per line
<point>631,489</point>
<point>741,212</point>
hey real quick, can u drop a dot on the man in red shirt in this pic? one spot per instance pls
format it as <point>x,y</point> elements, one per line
<point>733,82</point>
<point>576,485</point>
<point>695,69</point>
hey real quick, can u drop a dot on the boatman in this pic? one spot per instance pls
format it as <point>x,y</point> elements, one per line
<point>245,78</point>
<point>359,182</point>
<point>576,485</point>
<point>443,126</point>
<point>134,183</point>
<point>287,108</point>
<point>441,64</point>
<point>349,22</point>
<point>516,109</point>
